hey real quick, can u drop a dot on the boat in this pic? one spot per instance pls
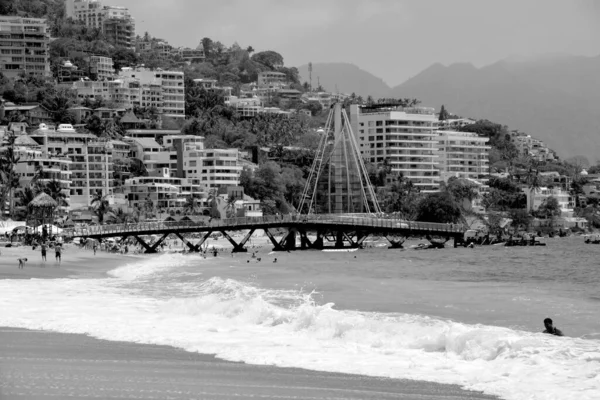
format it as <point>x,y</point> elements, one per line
<point>341,250</point>
<point>593,238</point>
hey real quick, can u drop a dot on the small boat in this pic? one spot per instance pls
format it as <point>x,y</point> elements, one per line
<point>341,250</point>
<point>592,239</point>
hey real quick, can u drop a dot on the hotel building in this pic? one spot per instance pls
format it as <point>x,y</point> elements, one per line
<point>463,155</point>
<point>171,82</point>
<point>406,138</point>
<point>91,160</point>
<point>23,46</point>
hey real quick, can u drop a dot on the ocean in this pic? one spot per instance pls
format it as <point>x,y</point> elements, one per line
<point>470,317</point>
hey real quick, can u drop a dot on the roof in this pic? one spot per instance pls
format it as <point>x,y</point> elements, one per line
<point>24,140</point>
<point>129,118</point>
<point>21,108</point>
<point>146,142</point>
<point>43,200</point>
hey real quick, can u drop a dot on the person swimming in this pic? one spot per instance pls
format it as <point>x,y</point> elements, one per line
<point>550,329</point>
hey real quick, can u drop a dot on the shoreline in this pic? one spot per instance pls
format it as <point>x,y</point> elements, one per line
<point>45,364</point>
<point>76,263</point>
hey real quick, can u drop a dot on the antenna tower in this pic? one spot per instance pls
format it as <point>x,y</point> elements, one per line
<point>310,75</point>
<point>338,182</point>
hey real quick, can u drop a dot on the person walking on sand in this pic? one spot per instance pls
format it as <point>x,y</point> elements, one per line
<point>22,262</point>
<point>58,251</point>
<point>44,249</point>
<point>550,329</point>
<point>95,247</point>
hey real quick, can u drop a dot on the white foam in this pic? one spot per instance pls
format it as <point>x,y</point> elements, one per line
<point>240,322</point>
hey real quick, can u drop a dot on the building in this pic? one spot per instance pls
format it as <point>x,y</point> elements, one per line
<point>535,198</point>
<point>91,160</point>
<point>90,12</point>
<point>190,55</point>
<point>215,168</point>
<point>119,31</point>
<point>266,78</point>
<point>154,156</point>
<point>172,84</point>
<point>24,46</point>
<point>463,155</point>
<point>405,138</point>
<point>36,164</point>
<point>101,68</point>
<point>161,191</point>
<point>34,113</point>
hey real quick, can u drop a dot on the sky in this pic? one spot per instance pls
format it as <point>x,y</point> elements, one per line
<point>392,39</point>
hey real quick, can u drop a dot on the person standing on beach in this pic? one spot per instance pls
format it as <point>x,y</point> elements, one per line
<point>58,251</point>
<point>44,249</point>
<point>95,247</point>
<point>550,329</point>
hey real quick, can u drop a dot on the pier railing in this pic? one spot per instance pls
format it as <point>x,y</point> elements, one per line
<point>145,228</point>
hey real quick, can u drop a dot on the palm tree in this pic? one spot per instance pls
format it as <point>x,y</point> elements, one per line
<point>191,205</point>
<point>54,189</point>
<point>101,206</point>
<point>230,207</point>
<point>9,179</point>
<point>119,216</point>
<point>213,202</point>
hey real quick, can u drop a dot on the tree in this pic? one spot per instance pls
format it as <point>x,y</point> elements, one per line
<point>438,207</point>
<point>9,179</point>
<point>119,216</point>
<point>59,103</point>
<point>269,58</point>
<point>100,206</point>
<point>444,115</point>
<point>520,218</point>
<point>95,125</point>
<point>54,189</point>
<point>549,209</point>
<point>191,205</point>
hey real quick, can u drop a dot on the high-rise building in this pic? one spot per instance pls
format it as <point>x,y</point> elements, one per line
<point>403,137</point>
<point>172,84</point>
<point>463,155</point>
<point>101,67</point>
<point>91,160</point>
<point>119,31</point>
<point>115,22</point>
<point>23,46</point>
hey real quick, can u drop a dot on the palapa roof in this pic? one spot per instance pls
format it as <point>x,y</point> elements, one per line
<point>43,200</point>
<point>129,118</point>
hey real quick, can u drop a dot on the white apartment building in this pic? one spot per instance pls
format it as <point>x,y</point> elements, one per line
<point>535,198</point>
<point>93,12</point>
<point>214,168</point>
<point>102,67</point>
<point>23,46</point>
<point>406,138</point>
<point>34,163</point>
<point>125,93</point>
<point>171,82</point>
<point>166,192</point>
<point>269,77</point>
<point>91,160</point>
<point>462,155</point>
<point>154,156</point>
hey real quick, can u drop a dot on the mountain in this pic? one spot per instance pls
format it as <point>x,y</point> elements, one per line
<point>555,98</point>
<point>347,77</point>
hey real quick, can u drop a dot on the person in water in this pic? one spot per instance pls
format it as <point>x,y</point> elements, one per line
<point>550,329</point>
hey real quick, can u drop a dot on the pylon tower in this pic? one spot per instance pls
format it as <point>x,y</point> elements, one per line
<point>338,182</point>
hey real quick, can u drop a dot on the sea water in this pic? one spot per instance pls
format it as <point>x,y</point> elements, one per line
<point>470,317</point>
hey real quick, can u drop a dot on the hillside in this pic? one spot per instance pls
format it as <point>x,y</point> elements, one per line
<point>554,98</point>
<point>348,78</point>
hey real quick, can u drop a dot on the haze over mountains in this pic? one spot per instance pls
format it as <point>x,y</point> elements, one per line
<point>555,98</point>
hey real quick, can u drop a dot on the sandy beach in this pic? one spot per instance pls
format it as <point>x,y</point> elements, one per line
<point>43,365</point>
<point>76,263</point>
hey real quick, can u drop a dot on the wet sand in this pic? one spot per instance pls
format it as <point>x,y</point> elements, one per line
<point>76,263</point>
<point>44,365</point>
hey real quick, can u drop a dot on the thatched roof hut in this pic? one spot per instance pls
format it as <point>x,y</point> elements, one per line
<point>41,210</point>
<point>43,200</point>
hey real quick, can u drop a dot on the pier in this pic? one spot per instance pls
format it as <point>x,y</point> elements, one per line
<point>288,232</point>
